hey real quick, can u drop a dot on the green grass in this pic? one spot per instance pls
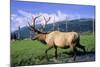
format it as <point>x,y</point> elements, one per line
<point>28,52</point>
<point>88,40</point>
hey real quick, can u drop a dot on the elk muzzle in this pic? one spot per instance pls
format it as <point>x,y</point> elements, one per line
<point>34,38</point>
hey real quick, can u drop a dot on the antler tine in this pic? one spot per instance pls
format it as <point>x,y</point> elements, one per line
<point>30,27</point>
<point>46,21</point>
<point>34,20</point>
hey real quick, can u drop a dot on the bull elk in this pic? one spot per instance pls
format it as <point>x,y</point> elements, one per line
<point>56,39</point>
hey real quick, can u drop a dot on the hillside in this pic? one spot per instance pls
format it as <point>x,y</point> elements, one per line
<point>78,25</point>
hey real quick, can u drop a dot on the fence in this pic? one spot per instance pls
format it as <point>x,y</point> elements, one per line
<point>77,25</point>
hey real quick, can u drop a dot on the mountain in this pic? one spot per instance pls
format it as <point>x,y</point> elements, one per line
<point>78,25</point>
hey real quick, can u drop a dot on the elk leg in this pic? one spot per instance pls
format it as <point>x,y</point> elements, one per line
<point>75,50</point>
<point>47,51</point>
<point>56,52</point>
<point>82,47</point>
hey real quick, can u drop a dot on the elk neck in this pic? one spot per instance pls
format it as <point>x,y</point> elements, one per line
<point>42,37</point>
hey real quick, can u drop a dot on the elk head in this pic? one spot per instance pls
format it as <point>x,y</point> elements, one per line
<point>39,34</point>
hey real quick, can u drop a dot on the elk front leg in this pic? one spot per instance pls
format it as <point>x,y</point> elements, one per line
<point>56,52</point>
<point>47,51</point>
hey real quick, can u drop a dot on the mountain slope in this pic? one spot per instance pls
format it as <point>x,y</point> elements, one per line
<point>78,25</point>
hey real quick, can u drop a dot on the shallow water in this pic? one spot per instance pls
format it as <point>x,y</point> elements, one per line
<point>79,58</point>
<point>65,58</point>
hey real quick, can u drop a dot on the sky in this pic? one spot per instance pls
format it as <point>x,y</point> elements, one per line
<point>22,12</point>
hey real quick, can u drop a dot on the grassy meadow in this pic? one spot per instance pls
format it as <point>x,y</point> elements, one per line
<point>29,52</point>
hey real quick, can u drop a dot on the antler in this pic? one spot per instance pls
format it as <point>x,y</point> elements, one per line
<point>33,19</point>
<point>32,27</point>
<point>46,21</point>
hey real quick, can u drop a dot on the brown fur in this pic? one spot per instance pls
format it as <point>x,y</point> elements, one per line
<point>57,39</point>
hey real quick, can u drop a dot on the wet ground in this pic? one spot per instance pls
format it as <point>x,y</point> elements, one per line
<point>80,57</point>
<point>65,58</point>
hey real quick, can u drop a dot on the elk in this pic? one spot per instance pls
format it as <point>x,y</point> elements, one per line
<point>56,39</point>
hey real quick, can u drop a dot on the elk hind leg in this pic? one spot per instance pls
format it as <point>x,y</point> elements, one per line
<point>82,47</point>
<point>74,50</point>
